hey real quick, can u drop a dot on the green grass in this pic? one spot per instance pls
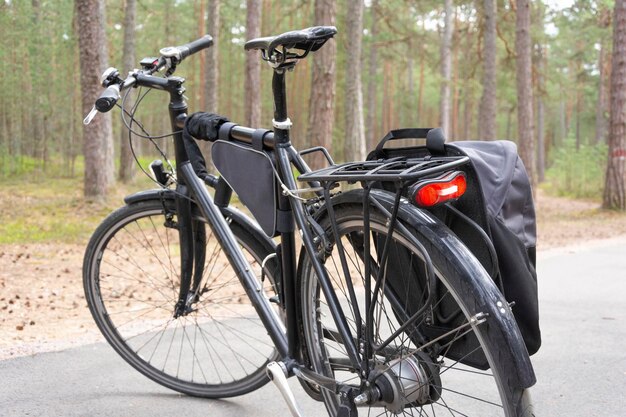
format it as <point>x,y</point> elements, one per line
<point>24,166</point>
<point>52,210</point>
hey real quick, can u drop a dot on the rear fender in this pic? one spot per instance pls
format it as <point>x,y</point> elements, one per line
<point>505,333</point>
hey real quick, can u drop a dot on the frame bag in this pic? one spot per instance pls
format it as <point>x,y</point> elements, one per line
<point>249,171</point>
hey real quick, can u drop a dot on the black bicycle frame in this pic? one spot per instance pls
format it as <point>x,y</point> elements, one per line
<point>285,156</point>
<point>189,187</point>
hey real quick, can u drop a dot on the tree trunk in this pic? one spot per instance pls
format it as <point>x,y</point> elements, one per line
<point>322,99</point>
<point>487,109</point>
<point>468,110</point>
<point>525,122</point>
<point>126,171</point>
<point>579,100</point>
<point>211,86</point>
<point>446,70</point>
<point>509,122</point>
<point>371,83</point>
<point>211,71</point>
<point>562,121</point>
<point>420,120</point>
<point>354,148</point>
<point>602,93</point>
<point>455,87</point>
<point>96,136</point>
<point>409,105</point>
<point>615,190</point>
<point>38,90</point>
<point>541,145</point>
<point>385,114</point>
<point>252,83</point>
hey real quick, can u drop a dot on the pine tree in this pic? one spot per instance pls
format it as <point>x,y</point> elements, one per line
<point>525,122</point>
<point>487,111</point>
<point>355,147</point>
<point>97,139</point>
<point>125,173</point>
<point>252,85</point>
<point>615,186</point>
<point>446,70</point>
<point>212,57</point>
<point>322,99</point>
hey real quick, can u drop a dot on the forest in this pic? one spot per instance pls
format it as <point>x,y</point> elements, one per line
<point>540,73</point>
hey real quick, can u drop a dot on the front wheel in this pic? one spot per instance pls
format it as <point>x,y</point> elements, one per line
<point>441,363</point>
<point>131,276</point>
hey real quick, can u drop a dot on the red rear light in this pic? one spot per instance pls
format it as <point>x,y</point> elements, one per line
<point>432,192</point>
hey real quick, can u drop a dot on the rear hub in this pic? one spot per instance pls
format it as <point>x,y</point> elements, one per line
<point>411,381</point>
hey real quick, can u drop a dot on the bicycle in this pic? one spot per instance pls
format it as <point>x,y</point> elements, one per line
<point>358,332</point>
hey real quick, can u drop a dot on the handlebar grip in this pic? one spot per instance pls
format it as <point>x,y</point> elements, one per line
<point>108,98</point>
<point>195,46</point>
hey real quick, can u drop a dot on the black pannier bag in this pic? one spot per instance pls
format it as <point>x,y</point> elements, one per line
<point>495,219</point>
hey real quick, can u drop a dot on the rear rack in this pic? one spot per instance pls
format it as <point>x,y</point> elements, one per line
<point>401,170</point>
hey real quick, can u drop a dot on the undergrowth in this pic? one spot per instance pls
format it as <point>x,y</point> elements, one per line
<point>578,173</point>
<point>46,210</point>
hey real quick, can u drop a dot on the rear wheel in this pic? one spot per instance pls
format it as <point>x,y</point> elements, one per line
<point>434,366</point>
<point>131,275</point>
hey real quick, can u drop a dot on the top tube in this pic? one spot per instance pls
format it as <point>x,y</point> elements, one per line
<point>234,132</point>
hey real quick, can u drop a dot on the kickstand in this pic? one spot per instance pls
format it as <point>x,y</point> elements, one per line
<point>277,375</point>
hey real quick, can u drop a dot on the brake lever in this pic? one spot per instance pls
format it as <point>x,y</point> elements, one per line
<point>171,68</point>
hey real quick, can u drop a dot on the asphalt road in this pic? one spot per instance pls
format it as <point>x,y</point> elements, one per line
<point>581,367</point>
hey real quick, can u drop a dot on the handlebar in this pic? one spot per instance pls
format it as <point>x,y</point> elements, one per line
<point>170,57</point>
<point>183,51</point>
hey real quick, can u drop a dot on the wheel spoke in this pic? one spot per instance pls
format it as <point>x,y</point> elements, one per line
<point>423,347</point>
<point>219,348</point>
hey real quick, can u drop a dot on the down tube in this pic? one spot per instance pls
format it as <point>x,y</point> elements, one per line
<point>236,258</point>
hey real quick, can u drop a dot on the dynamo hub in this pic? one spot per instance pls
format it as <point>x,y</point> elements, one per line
<point>412,381</point>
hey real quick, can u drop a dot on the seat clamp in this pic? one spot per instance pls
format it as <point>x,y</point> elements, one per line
<point>284,124</point>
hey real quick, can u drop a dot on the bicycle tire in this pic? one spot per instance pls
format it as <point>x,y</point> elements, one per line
<point>130,274</point>
<point>327,356</point>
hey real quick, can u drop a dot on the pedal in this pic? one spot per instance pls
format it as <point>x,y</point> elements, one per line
<point>277,374</point>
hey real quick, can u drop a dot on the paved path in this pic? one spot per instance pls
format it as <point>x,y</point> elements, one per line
<point>581,366</point>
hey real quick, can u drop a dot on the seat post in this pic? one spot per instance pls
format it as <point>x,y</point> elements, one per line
<point>281,121</point>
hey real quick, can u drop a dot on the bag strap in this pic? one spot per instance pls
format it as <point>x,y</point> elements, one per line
<point>435,139</point>
<point>257,135</point>
<point>257,138</point>
<point>224,132</point>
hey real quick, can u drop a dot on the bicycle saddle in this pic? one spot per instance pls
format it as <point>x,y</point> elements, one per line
<point>309,39</point>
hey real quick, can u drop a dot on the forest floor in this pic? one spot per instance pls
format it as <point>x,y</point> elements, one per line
<point>42,307</point>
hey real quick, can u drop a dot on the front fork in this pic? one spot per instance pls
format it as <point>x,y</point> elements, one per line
<point>190,249</point>
<point>193,243</point>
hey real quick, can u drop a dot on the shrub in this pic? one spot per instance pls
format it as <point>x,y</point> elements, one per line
<point>579,172</point>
